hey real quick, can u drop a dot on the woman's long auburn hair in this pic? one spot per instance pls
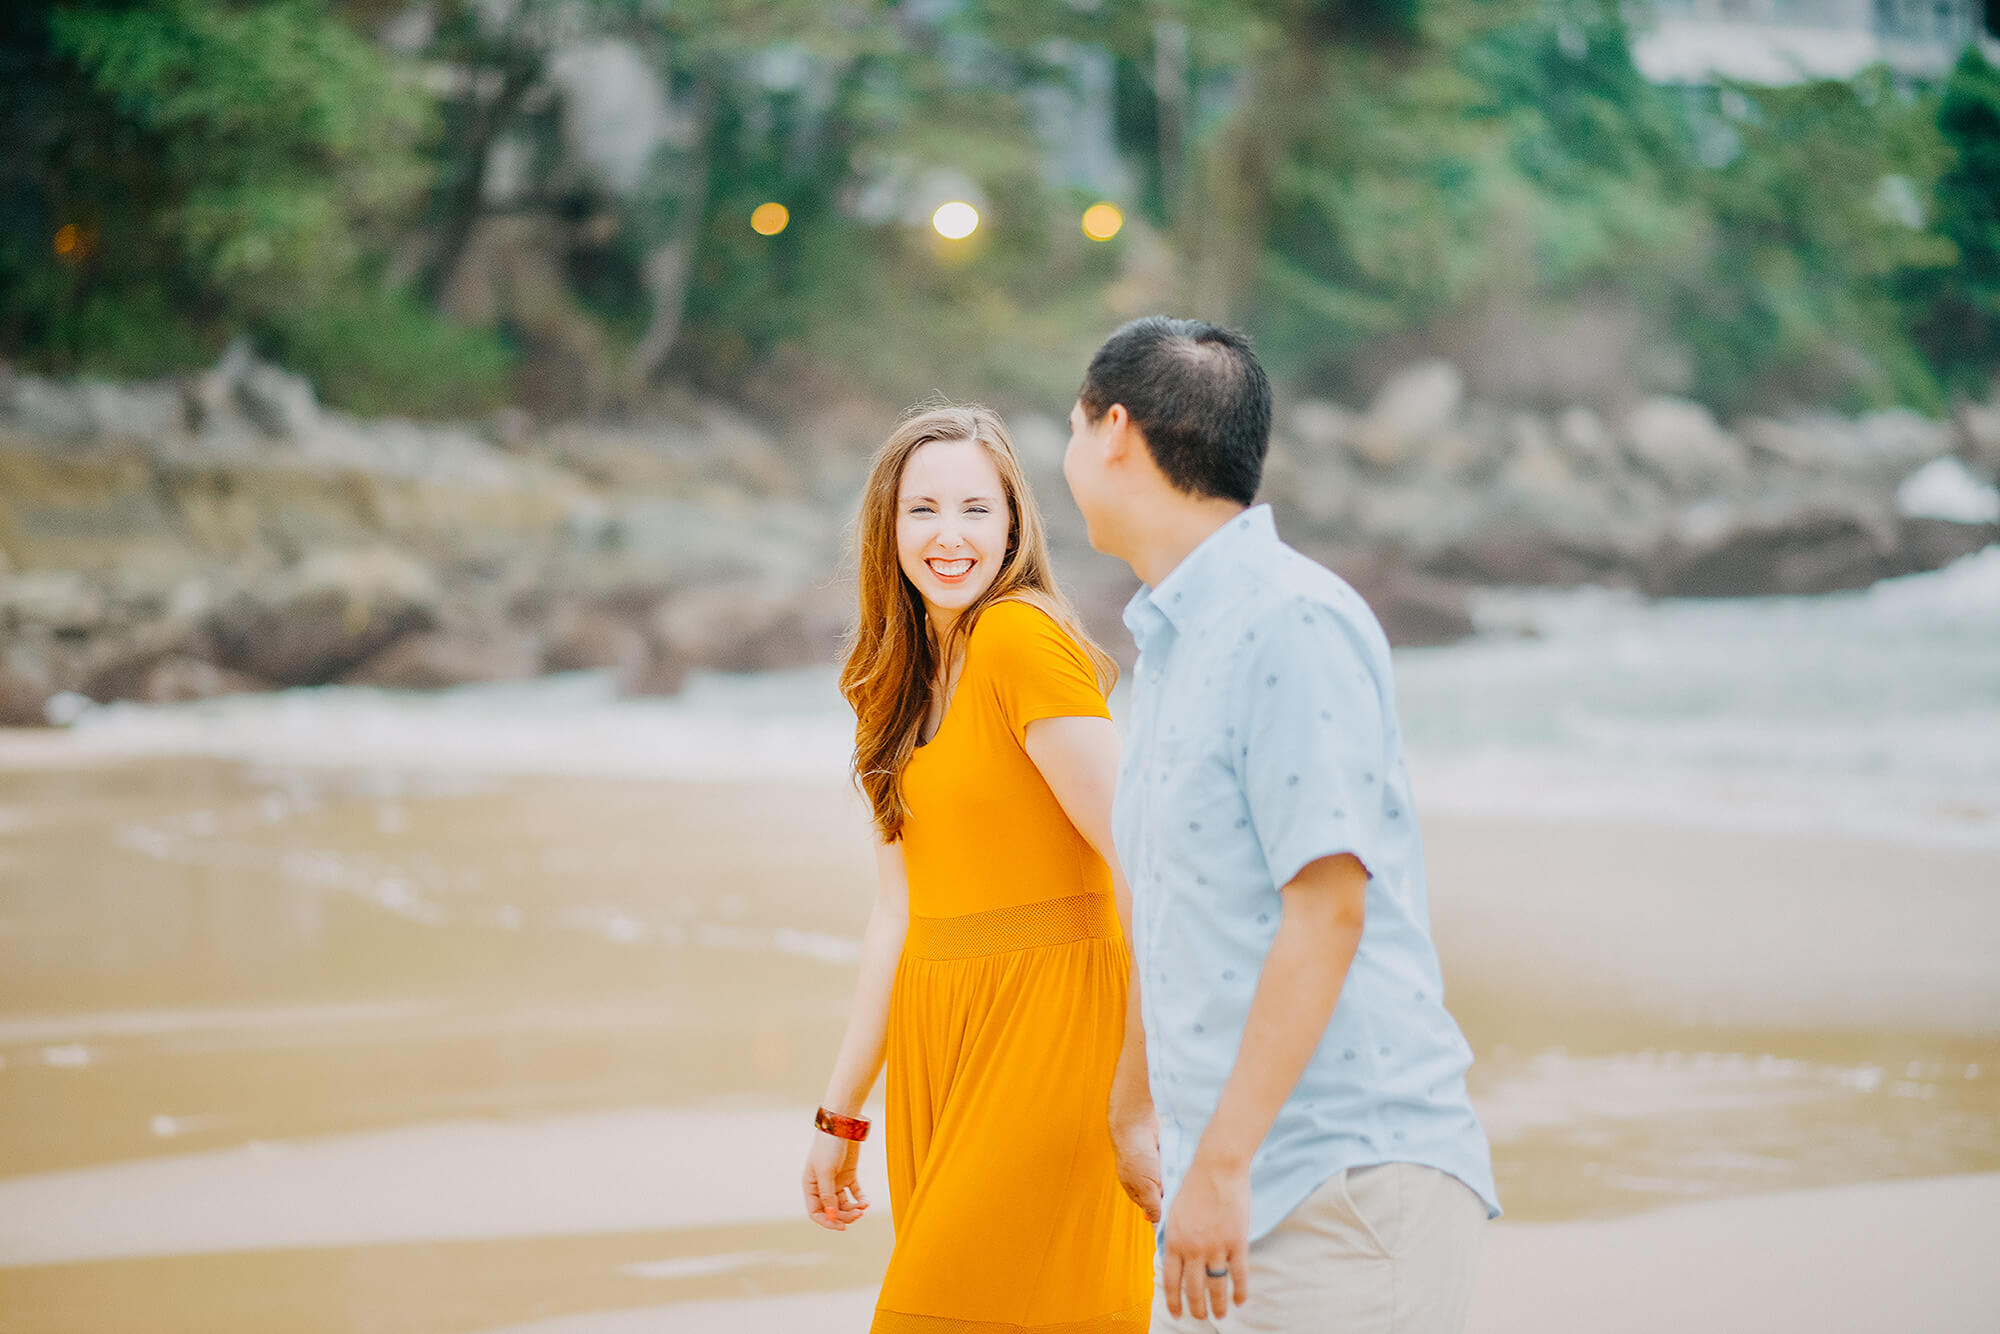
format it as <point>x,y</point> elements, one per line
<point>891,660</point>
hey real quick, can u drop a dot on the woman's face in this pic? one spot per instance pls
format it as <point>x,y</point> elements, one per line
<point>952,522</point>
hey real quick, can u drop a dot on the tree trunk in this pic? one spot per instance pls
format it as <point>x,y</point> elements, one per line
<point>665,269</point>
<point>1229,202</point>
<point>464,204</point>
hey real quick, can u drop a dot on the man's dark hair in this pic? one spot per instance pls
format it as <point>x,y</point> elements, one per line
<point>1197,393</point>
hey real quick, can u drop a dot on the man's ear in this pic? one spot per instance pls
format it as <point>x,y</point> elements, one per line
<point>1118,433</point>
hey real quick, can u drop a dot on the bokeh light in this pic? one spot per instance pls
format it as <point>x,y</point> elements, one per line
<point>68,239</point>
<point>1101,221</point>
<point>956,220</point>
<point>769,219</point>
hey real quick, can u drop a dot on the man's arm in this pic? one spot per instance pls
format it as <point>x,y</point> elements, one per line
<point>1325,907</point>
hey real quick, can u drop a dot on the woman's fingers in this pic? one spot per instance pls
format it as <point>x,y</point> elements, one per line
<point>829,1198</point>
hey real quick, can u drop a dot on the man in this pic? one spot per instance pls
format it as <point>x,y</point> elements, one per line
<point>1320,1161</point>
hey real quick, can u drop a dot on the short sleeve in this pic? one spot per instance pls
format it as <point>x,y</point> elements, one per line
<point>1315,741</point>
<point>1033,667</point>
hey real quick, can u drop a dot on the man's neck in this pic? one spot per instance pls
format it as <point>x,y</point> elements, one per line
<point>1173,534</point>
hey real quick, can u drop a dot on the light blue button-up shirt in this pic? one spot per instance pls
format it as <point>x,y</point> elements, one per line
<point>1263,737</point>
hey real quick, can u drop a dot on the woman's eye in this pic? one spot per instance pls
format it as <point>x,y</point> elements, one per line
<point>977,509</point>
<point>920,509</point>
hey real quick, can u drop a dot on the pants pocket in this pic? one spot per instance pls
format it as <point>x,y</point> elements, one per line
<point>1369,1196</point>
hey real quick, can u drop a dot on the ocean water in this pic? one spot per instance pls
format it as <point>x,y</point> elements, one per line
<point>1874,713</point>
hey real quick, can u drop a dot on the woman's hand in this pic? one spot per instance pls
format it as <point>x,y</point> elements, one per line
<point>833,1196</point>
<point>1136,1141</point>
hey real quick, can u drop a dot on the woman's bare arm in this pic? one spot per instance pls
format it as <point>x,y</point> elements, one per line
<point>1078,759</point>
<point>830,1164</point>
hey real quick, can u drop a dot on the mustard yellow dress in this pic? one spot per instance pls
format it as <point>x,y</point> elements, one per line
<point>1005,1024</point>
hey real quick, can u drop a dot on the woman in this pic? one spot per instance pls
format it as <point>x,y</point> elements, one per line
<point>993,971</point>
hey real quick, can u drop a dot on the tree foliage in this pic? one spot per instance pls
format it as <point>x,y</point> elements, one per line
<point>1330,173</point>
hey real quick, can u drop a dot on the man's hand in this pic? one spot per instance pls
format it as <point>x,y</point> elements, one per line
<point>1208,1240</point>
<point>1136,1142</point>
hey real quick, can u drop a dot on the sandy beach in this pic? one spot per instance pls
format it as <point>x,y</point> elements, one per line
<point>312,1049</point>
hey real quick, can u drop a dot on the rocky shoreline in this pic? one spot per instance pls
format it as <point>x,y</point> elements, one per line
<point>222,533</point>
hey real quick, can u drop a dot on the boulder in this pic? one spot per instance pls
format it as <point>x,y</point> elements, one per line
<point>47,410</point>
<point>1932,544</point>
<point>1322,429</point>
<point>63,602</point>
<point>276,401</point>
<point>310,623</point>
<point>1040,441</point>
<point>742,625</point>
<point>1679,442</point>
<point>1726,553</point>
<point>177,678</point>
<point>1415,404</point>
<point>23,699</point>
<point>1587,441</point>
<point>437,659</point>
<point>1415,609</point>
<point>1540,522</point>
<point>1899,441</point>
<point>594,640</point>
<point>1978,427</point>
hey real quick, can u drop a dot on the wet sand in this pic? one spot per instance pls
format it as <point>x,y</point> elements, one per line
<point>289,1049</point>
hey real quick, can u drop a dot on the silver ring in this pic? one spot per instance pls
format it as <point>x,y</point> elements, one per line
<point>1215,1273</point>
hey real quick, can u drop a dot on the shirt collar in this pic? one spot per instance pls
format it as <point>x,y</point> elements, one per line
<point>1199,577</point>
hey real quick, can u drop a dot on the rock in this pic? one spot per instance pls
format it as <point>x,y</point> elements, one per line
<point>664,673</point>
<point>1320,492</point>
<point>1040,441</point>
<point>138,413</point>
<point>278,402</point>
<point>1815,444</point>
<point>746,626</point>
<point>1322,429</point>
<point>49,411</point>
<point>738,450</point>
<point>23,700</point>
<point>177,678</point>
<point>1415,609</point>
<point>1541,523</point>
<point>1932,544</point>
<point>1586,440</point>
<point>1900,441</point>
<point>591,640</point>
<point>62,601</point>
<point>1745,555</point>
<point>434,660</point>
<point>310,623</point>
<point>1680,442</point>
<point>1414,404</point>
<point>1979,436</point>
<point>509,427</point>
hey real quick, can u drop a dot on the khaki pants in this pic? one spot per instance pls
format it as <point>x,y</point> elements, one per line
<point>1392,1249</point>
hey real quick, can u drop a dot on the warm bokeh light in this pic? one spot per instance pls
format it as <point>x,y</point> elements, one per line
<point>955,221</point>
<point>1101,221</point>
<point>769,219</point>
<point>68,238</point>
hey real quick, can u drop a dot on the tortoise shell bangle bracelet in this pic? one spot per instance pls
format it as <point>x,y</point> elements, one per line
<point>845,1127</point>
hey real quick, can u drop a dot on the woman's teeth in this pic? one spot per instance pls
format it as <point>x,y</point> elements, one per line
<point>950,569</point>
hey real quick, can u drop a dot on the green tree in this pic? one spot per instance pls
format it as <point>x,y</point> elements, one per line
<point>189,169</point>
<point>1811,225</point>
<point>1957,317</point>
